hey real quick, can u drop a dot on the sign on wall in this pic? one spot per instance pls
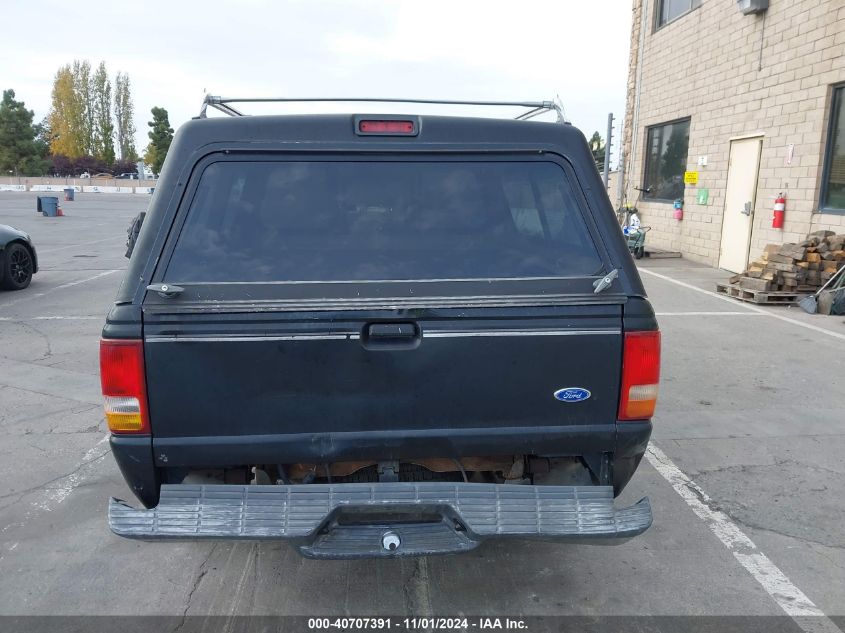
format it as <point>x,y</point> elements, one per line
<point>691,177</point>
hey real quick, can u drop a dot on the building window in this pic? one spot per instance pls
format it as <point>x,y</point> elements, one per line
<point>833,183</point>
<point>668,10</point>
<point>666,160</point>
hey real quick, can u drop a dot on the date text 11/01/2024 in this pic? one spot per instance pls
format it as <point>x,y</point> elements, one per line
<point>426,623</point>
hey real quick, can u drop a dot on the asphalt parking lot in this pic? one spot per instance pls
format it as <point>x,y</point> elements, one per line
<point>747,478</point>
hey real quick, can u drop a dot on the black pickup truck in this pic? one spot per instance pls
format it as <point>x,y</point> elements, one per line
<point>379,336</point>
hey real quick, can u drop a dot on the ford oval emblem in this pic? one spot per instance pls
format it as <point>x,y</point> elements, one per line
<point>572,394</point>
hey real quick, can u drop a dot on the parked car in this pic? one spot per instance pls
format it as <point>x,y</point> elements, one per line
<point>84,174</point>
<point>379,336</point>
<point>104,174</point>
<point>127,176</point>
<point>18,260</point>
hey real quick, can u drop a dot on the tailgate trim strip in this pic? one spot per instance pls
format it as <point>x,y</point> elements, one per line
<point>356,335</point>
<point>460,334</point>
<point>308,515</point>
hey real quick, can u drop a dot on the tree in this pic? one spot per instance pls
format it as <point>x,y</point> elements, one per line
<point>91,164</point>
<point>83,87</point>
<point>103,131</point>
<point>80,119</point>
<point>124,167</point>
<point>596,144</point>
<point>161,135</point>
<point>149,156</point>
<point>61,165</point>
<point>73,115</point>
<point>18,149</point>
<point>67,116</point>
<point>124,115</point>
<point>43,135</point>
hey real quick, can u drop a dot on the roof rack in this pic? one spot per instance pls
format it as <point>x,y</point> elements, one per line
<point>535,107</point>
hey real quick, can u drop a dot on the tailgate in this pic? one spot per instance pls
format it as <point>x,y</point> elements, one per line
<point>312,374</point>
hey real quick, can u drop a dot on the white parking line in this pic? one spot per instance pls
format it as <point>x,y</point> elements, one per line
<point>61,489</point>
<point>780,317</point>
<point>56,318</point>
<point>751,314</point>
<point>62,287</point>
<point>55,492</point>
<point>788,597</point>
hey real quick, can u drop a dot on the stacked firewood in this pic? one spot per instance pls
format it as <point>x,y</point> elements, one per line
<point>802,267</point>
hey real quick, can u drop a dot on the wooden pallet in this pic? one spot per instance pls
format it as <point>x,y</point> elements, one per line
<point>770,297</point>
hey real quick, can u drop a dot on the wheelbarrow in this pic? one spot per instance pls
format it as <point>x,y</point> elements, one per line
<point>635,236</point>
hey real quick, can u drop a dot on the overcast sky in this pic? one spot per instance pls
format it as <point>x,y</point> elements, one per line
<point>459,49</point>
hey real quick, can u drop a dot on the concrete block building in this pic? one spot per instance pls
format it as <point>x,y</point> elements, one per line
<point>731,103</point>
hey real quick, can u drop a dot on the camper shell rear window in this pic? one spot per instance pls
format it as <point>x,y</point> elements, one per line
<point>362,220</point>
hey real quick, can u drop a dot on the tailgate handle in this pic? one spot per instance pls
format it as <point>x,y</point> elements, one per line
<point>401,335</point>
<point>391,330</point>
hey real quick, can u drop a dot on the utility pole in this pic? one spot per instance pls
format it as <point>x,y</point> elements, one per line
<point>620,177</point>
<point>608,141</point>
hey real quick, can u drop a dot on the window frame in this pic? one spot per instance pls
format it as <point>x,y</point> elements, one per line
<point>837,99</point>
<point>346,293</point>
<point>647,148</point>
<point>658,6</point>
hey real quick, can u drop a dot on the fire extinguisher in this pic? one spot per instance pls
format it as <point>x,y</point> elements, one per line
<point>779,211</point>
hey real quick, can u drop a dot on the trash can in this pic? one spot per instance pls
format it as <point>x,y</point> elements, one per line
<point>49,206</point>
<point>69,194</point>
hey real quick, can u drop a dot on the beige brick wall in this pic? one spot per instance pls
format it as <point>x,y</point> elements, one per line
<point>737,75</point>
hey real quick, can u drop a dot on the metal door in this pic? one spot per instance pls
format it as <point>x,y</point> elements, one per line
<point>740,194</point>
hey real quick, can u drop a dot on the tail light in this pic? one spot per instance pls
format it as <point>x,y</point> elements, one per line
<point>124,385</point>
<point>640,375</point>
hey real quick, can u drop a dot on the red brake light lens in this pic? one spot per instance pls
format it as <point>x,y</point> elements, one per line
<point>640,375</point>
<point>386,127</point>
<point>124,385</point>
